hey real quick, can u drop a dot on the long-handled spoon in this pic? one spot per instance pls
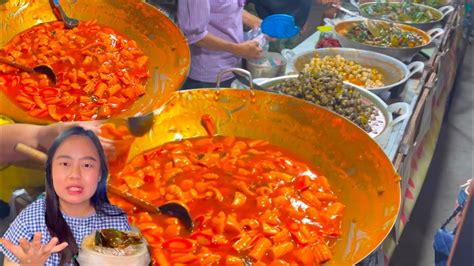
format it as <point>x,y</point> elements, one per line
<point>69,22</point>
<point>42,69</point>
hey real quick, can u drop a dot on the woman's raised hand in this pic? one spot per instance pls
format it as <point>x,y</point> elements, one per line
<point>33,253</point>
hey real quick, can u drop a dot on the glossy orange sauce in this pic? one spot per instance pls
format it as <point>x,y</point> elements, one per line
<point>250,202</point>
<point>100,72</point>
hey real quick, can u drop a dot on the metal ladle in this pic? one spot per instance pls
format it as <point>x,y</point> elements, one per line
<point>353,85</point>
<point>68,21</point>
<point>42,69</point>
<point>140,125</point>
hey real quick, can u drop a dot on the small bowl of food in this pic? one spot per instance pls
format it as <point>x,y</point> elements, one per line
<point>114,247</point>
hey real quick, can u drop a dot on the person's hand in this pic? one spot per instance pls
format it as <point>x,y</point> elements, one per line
<point>33,253</point>
<point>249,50</point>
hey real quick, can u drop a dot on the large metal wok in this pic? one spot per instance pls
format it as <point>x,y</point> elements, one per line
<point>441,13</point>
<point>394,73</point>
<point>434,3</point>
<point>403,54</point>
<point>154,32</point>
<point>359,172</point>
<point>382,124</point>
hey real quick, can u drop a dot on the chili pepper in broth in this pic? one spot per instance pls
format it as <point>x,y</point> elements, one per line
<point>209,125</point>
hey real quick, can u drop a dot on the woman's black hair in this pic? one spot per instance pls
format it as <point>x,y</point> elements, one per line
<point>55,222</point>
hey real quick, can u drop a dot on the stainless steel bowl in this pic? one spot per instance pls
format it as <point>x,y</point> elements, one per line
<point>403,54</point>
<point>382,124</point>
<point>438,5</point>
<point>394,72</point>
<point>441,13</point>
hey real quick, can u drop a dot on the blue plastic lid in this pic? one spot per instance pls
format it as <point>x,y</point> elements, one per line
<point>280,26</point>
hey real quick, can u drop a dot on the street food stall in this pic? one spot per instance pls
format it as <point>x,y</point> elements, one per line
<point>319,165</point>
<point>411,142</point>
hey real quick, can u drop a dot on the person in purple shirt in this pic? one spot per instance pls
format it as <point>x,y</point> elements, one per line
<point>214,29</point>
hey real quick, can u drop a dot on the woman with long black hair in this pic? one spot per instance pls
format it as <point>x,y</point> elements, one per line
<point>75,205</point>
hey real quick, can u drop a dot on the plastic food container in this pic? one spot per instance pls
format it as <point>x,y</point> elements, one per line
<point>269,66</point>
<point>89,257</point>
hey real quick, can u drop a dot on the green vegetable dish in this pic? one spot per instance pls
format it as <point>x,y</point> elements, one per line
<point>111,238</point>
<point>432,3</point>
<point>325,88</point>
<point>383,34</point>
<point>400,12</point>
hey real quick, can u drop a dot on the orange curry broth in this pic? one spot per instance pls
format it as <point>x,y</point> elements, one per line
<point>100,72</point>
<point>248,199</point>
